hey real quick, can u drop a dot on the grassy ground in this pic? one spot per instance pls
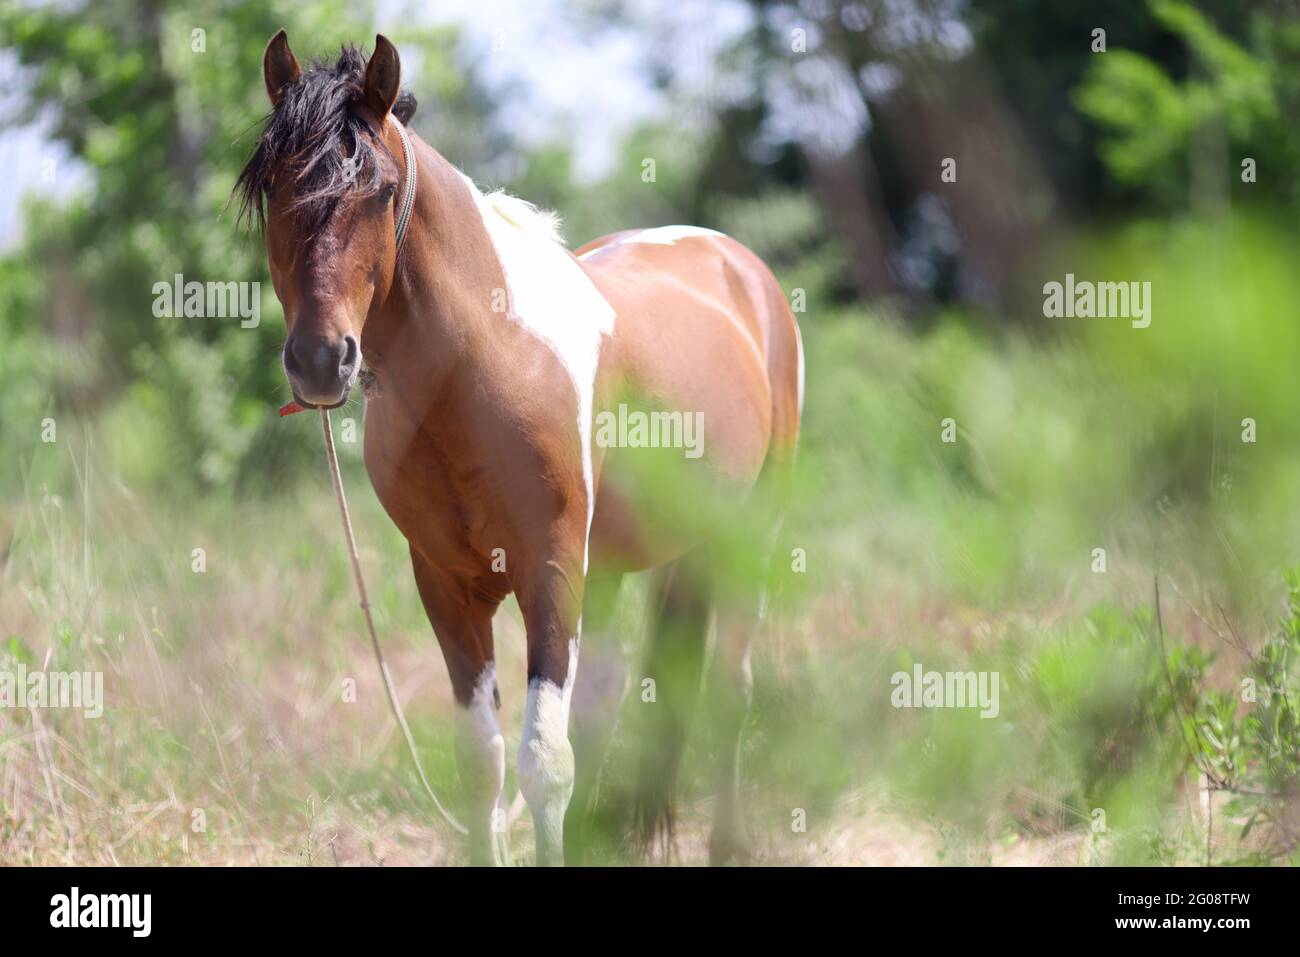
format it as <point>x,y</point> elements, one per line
<point>230,734</point>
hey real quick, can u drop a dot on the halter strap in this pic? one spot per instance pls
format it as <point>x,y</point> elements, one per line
<point>408,189</point>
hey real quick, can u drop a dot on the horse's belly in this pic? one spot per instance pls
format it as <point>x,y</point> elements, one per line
<point>633,529</point>
<point>683,429</point>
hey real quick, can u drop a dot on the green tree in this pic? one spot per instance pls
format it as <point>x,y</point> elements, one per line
<point>1181,136</point>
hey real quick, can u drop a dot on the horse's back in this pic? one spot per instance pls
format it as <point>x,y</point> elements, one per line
<point>674,277</point>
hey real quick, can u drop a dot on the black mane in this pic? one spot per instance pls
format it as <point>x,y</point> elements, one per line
<point>307,137</point>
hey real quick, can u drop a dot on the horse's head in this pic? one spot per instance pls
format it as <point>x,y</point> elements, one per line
<point>324,183</point>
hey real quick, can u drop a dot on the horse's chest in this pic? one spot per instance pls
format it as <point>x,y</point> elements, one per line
<point>441,504</point>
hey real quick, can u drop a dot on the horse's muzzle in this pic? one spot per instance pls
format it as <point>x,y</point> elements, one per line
<point>320,369</point>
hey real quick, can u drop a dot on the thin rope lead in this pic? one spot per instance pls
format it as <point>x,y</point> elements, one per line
<point>337,478</point>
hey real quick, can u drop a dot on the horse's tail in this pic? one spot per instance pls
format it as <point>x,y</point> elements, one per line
<point>674,664</point>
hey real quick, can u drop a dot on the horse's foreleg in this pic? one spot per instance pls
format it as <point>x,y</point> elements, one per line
<point>464,633</point>
<point>550,597</point>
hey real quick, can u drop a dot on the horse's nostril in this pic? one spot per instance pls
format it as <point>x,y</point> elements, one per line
<point>350,353</point>
<point>292,364</point>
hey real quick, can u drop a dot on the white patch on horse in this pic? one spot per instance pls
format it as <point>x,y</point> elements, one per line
<point>553,298</point>
<point>481,713</point>
<point>667,235</point>
<point>476,724</point>
<point>545,756</point>
<point>658,236</point>
<point>546,713</point>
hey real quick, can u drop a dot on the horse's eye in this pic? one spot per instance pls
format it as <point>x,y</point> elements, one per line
<point>387,192</point>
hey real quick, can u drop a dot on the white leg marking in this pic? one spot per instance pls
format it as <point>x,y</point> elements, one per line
<point>481,757</point>
<point>546,759</point>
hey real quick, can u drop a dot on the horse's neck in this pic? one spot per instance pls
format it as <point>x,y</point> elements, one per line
<point>483,285</point>
<point>437,322</point>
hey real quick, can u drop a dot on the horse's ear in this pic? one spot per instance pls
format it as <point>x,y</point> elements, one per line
<point>279,67</point>
<point>383,76</point>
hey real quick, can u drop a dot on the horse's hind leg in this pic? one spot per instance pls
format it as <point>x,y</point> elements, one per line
<point>674,663</point>
<point>727,697</point>
<point>740,609</point>
<point>597,694</point>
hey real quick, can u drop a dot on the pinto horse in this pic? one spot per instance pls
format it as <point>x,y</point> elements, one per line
<point>493,351</point>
